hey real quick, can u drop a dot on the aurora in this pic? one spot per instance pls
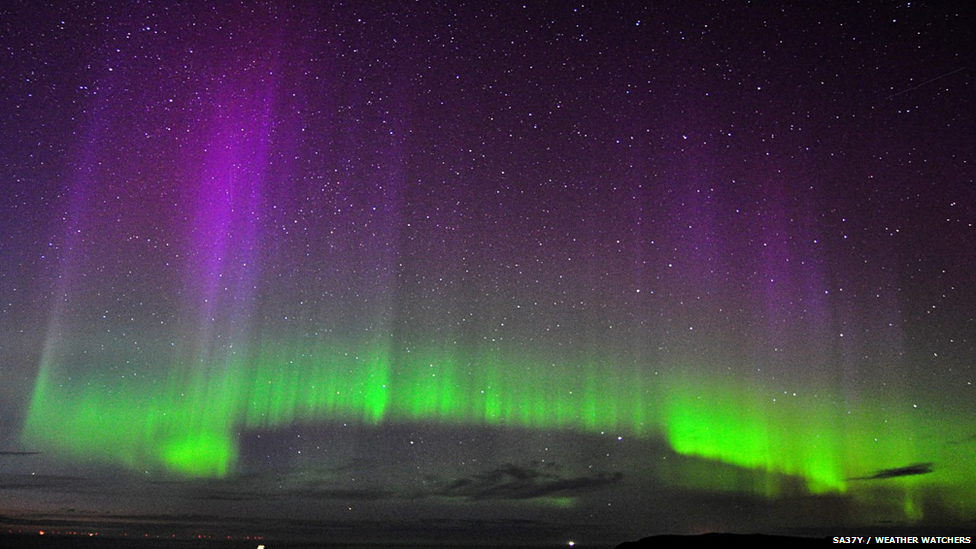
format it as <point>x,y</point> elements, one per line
<point>190,424</point>
<point>507,273</point>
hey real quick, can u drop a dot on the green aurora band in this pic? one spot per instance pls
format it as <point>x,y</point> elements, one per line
<point>190,423</point>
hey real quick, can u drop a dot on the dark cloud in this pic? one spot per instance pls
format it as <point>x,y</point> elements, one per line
<point>334,493</point>
<point>230,497</point>
<point>313,484</point>
<point>967,440</point>
<point>361,495</point>
<point>357,464</point>
<point>42,482</point>
<point>511,481</point>
<point>185,517</point>
<point>909,471</point>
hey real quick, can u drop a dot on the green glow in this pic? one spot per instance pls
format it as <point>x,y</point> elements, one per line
<point>200,455</point>
<point>770,443</point>
<point>559,503</point>
<point>789,436</point>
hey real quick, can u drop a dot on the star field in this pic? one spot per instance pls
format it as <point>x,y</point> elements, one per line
<point>565,262</point>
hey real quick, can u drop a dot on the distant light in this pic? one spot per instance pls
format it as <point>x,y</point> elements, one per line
<point>572,543</point>
<point>260,547</point>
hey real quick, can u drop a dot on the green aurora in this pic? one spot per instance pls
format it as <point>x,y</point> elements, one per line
<point>190,423</point>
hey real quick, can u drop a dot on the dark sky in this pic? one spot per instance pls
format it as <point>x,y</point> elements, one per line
<point>549,271</point>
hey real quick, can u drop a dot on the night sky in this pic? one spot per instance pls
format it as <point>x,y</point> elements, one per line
<point>437,270</point>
